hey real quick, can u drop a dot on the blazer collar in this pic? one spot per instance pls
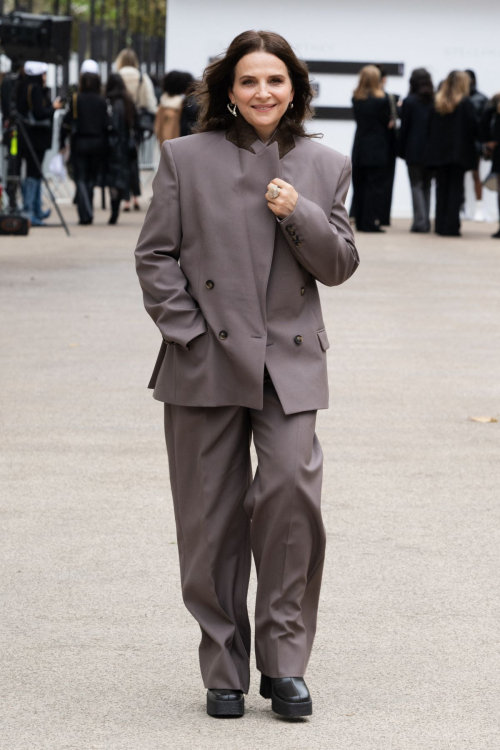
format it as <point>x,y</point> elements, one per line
<point>243,135</point>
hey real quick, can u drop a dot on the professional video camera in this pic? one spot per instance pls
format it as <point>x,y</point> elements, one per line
<point>26,36</point>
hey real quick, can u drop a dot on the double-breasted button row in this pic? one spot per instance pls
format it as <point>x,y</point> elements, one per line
<point>210,285</point>
<point>297,241</point>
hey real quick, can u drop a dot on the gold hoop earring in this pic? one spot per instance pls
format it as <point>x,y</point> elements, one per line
<point>232,109</point>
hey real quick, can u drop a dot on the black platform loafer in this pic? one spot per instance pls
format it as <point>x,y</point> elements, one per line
<point>223,702</point>
<point>290,696</point>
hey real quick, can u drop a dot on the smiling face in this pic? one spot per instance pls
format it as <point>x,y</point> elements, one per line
<point>262,91</point>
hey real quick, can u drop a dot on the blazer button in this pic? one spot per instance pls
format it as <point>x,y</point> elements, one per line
<point>223,335</point>
<point>302,291</point>
<point>298,339</point>
<point>209,284</point>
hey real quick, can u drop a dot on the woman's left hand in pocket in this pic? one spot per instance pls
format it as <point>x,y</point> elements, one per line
<point>286,201</point>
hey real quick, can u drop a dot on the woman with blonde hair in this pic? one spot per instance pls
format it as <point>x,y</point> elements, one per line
<point>141,90</point>
<point>370,152</point>
<point>451,149</point>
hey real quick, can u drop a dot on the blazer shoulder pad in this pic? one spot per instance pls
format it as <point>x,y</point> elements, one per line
<point>191,144</point>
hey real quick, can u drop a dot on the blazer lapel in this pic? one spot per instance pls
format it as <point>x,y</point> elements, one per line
<point>258,167</point>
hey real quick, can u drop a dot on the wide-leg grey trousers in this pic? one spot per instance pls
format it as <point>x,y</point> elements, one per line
<point>223,515</point>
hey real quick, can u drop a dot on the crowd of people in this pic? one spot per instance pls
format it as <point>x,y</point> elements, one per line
<point>440,135</point>
<point>101,132</point>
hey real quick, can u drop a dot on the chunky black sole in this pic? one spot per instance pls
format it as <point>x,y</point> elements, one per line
<point>225,708</point>
<point>283,708</point>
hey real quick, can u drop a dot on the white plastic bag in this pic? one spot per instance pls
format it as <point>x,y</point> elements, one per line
<point>56,166</point>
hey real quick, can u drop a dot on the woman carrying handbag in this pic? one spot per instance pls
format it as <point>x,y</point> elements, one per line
<point>247,215</point>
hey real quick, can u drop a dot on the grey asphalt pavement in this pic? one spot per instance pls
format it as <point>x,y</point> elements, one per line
<point>98,651</point>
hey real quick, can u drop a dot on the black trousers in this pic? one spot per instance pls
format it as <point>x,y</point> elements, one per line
<point>86,174</point>
<point>449,198</point>
<point>420,181</point>
<point>369,185</point>
<point>390,172</point>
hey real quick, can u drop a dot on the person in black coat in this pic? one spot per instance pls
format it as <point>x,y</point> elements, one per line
<point>392,137</point>
<point>36,112</point>
<point>451,149</point>
<point>370,153</point>
<point>415,116</point>
<point>86,123</point>
<point>490,135</point>
<point>122,149</point>
<point>479,102</point>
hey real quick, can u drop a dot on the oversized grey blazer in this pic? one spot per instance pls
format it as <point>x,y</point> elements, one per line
<point>229,286</point>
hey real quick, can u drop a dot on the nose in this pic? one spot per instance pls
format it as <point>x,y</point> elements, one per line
<point>262,92</point>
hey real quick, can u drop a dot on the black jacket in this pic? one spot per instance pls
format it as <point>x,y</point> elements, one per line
<point>371,141</point>
<point>452,137</point>
<point>495,166</point>
<point>415,117</point>
<point>33,101</point>
<point>121,147</point>
<point>479,102</point>
<point>87,126</point>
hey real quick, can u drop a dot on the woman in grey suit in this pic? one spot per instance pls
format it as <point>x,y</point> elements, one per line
<point>247,215</point>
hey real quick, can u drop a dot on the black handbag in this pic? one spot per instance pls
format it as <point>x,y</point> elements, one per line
<point>145,118</point>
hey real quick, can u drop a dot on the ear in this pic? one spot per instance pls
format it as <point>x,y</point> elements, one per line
<point>230,95</point>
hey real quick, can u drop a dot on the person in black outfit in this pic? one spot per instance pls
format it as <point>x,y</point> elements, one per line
<point>479,102</point>
<point>370,153</point>
<point>122,149</point>
<point>392,137</point>
<point>415,116</point>
<point>37,112</point>
<point>451,149</point>
<point>491,137</point>
<point>87,123</point>
<point>7,92</point>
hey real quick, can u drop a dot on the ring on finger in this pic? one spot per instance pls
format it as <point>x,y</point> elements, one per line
<point>274,191</point>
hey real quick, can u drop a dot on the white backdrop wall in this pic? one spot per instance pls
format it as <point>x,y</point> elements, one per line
<point>437,34</point>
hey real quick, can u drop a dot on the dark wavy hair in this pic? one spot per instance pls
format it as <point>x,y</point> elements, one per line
<point>421,84</point>
<point>116,89</point>
<point>176,82</point>
<point>211,92</point>
<point>90,82</point>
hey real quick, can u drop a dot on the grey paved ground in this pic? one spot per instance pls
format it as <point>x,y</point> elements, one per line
<point>98,650</point>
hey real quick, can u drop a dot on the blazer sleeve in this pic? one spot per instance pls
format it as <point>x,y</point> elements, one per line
<point>157,254</point>
<point>324,245</point>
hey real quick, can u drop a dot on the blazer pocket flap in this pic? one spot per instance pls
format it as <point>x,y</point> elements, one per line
<point>323,339</point>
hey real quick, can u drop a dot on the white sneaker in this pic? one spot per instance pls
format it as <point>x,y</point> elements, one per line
<point>479,212</point>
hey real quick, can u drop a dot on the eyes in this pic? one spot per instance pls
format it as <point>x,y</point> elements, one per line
<point>272,80</point>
